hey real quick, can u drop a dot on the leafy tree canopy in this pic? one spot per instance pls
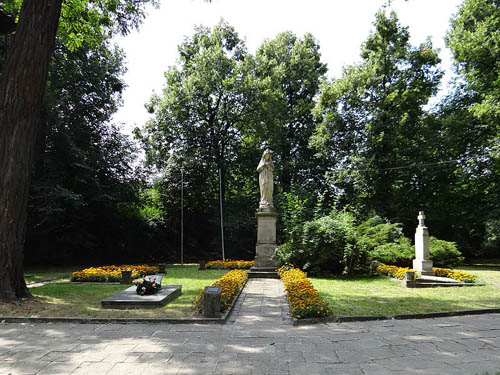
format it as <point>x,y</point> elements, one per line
<point>288,72</point>
<point>371,120</point>
<point>474,39</point>
<point>91,21</point>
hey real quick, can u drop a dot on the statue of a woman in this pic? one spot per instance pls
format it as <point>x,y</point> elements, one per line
<point>266,171</point>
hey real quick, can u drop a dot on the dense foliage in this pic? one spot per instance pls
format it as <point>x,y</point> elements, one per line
<point>326,244</point>
<point>356,156</point>
<point>25,72</point>
<point>84,178</point>
<point>372,123</point>
<point>336,244</point>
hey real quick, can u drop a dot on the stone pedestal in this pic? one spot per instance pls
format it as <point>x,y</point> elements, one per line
<point>126,277</point>
<point>211,302</point>
<point>410,279</point>
<point>266,239</point>
<point>422,263</point>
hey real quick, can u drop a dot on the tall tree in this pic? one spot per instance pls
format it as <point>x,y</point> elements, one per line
<point>24,77</point>
<point>21,92</point>
<point>372,121</point>
<point>472,116</point>
<point>198,119</point>
<point>474,39</point>
<point>288,71</point>
<point>84,171</point>
<point>200,113</point>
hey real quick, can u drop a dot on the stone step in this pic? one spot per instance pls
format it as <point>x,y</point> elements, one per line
<point>438,279</point>
<point>262,273</point>
<point>431,281</point>
<point>429,284</point>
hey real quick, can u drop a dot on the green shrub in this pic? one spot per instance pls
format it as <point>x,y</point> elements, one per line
<point>326,245</point>
<point>444,253</point>
<point>333,244</point>
<point>377,231</point>
<point>384,242</point>
<point>399,253</point>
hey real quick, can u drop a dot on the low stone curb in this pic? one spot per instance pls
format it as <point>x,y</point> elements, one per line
<point>15,319</point>
<point>44,281</point>
<point>37,284</point>
<point>346,319</point>
<point>309,321</point>
<point>90,283</point>
<point>194,320</point>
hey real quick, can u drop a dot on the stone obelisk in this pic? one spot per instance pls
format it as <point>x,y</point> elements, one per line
<point>265,260</point>
<point>422,263</point>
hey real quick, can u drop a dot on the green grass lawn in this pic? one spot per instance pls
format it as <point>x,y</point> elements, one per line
<point>368,296</point>
<point>84,300</point>
<point>485,273</point>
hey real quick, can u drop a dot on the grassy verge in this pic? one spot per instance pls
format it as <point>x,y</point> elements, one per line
<point>37,274</point>
<point>485,273</point>
<point>367,296</point>
<point>82,300</point>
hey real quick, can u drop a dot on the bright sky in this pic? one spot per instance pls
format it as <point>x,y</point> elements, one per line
<point>340,26</point>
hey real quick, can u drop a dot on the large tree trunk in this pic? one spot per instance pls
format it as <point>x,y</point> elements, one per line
<point>21,92</point>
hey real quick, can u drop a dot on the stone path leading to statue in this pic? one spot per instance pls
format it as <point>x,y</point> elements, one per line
<point>262,302</point>
<point>257,340</point>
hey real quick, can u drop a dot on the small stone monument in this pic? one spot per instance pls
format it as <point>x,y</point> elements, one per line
<point>126,277</point>
<point>422,263</point>
<point>161,267</point>
<point>211,302</point>
<point>265,261</point>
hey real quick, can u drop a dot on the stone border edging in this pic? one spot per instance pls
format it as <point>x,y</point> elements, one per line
<point>201,320</point>
<point>91,283</point>
<point>44,281</point>
<point>347,319</point>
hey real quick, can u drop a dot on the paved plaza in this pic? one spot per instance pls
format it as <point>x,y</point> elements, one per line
<point>258,339</point>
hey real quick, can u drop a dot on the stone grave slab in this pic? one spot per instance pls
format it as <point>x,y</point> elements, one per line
<point>129,299</point>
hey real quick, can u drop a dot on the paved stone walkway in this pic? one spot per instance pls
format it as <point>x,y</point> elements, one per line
<point>258,340</point>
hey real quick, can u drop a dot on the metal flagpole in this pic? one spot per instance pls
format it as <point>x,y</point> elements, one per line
<point>221,216</point>
<point>182,216</point>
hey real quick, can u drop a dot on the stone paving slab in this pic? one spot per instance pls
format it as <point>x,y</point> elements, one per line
<point>258,339</point>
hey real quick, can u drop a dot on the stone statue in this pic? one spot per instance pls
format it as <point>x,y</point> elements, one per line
<point>266,173</point>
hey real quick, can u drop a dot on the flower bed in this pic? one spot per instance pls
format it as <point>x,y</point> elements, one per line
<point>393,271</point>
<point>230,264</point>
<point>456,275</point>
<point>112,273</point>
<point>303,298</point>
<point>399,273</point>
<point>230,284</point>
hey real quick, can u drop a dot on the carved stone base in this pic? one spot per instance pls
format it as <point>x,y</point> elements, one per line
<point>265,256</point>
<point>266,239</point>
<point>266,227</point>
<point>424,266</point>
